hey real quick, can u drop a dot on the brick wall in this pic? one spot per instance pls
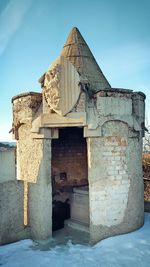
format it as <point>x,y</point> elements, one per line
<point>109,179</point>
<point>69,158</point>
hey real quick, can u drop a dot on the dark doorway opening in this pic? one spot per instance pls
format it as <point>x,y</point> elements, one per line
<point>69,171</point>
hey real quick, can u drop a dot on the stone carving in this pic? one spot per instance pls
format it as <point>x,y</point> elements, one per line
<point>52,87</point>
<point>24,106</point>
<point>61,87</point>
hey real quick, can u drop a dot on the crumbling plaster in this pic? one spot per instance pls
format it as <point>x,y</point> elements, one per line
<point>113,124</point>
<point>113,128</point>
<point>115,182</point>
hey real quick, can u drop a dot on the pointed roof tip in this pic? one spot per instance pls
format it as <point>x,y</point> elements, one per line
<point>79,54</point>
<point>75,29</point>
<point>75,37</point>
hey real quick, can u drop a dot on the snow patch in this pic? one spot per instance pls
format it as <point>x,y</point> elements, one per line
<point>131,249</point>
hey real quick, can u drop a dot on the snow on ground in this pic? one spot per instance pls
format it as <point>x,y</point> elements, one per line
<point>128,250</point>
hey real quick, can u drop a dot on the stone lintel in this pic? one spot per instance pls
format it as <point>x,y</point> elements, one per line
<point>56,121</point>
<point>46,133</point>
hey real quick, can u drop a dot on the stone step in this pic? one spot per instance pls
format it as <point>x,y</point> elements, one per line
<point>77,225</point>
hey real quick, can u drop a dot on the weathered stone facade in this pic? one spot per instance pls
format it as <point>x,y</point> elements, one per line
<point>11,200</point>
<point>103,153</point>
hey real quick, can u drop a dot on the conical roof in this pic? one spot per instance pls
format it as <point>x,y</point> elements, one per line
<point>78,53</point>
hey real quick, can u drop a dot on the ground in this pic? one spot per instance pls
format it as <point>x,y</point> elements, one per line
<point>127,250</point>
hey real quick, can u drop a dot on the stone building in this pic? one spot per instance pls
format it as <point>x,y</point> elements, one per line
<point>78,142</point>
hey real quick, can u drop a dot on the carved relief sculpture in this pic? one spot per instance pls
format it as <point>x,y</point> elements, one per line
<point>61,86</point>
<point>52,87</point>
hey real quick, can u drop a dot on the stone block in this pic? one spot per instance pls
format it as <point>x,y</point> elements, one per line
<point>80,205</point>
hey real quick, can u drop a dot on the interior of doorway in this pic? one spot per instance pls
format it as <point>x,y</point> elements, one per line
<point>69,172</point>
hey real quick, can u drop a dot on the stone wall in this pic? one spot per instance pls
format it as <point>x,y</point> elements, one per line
<point>34,168</point>
<point>40,197</point>
<point>25,108</point>
<point>69,156</point>
<point>11,212</point>
<point>80,106</point>
<point>29,154</point>
<point>113,126</point>
<point>33,165</point>
<point>78,95</point>
<point>115,182</point>
<point>7,164</point>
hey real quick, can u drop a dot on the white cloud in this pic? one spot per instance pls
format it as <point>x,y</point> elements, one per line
<point>11,19</point>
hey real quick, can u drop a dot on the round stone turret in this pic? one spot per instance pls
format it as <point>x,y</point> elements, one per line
<point>25,106</point>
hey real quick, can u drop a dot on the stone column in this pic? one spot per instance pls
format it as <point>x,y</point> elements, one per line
<point>35,171</point>
<point>40,197</point>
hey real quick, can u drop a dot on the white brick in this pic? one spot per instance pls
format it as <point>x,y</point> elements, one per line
<point>118,148</point>
<point>112,177</point>
<point>118,167</point>
<point>118,177</point>
<point>112,172</point>
<point>122,172</point>
<point>107,153</point>
<point>111,167</point>
<point>116,158</point>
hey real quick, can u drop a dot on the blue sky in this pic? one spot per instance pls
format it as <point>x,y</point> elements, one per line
<point>33,32</point>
